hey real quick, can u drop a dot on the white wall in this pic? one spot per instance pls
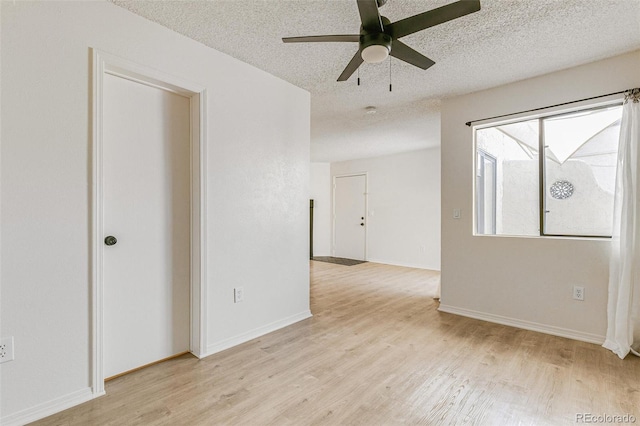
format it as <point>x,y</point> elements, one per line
<point>257,189</point>
<point>403,226</point>
<point>321,194</point>
<point>523,281</point>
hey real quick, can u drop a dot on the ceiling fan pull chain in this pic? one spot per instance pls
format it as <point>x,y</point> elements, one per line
<point>358,76</point>
<point>390,87</point>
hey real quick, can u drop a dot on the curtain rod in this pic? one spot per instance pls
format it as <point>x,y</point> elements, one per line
<point>468,123</point>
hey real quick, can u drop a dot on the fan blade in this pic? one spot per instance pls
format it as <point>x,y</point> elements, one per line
<point>351,67</point>
<point>405,53</point>
<point>370,16</point>
<point>432,18</point>
<point>323,38</point>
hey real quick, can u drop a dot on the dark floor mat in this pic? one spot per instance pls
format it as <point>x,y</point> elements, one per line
<point>338,260</point>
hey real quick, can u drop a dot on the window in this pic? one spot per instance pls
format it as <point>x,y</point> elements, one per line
<point>577,174</point>
<point>486,193</point>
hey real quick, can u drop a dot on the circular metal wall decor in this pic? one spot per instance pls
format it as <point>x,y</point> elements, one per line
<point>561,189</point>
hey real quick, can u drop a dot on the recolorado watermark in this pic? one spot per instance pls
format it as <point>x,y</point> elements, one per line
<point>605,418</point>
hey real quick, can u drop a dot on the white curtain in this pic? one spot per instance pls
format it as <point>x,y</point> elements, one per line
<point>623,312</point>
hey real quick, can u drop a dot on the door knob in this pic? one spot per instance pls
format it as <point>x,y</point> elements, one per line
<point>110,240</point>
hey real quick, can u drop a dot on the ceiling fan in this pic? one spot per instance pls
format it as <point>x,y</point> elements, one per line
<point>378,36</point>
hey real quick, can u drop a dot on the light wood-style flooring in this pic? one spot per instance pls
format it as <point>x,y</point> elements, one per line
<point>376,352</point>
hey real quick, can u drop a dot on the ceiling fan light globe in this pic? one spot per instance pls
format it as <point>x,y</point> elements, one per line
<point>375,53</point>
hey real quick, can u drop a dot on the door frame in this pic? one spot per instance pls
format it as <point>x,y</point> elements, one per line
<point>366,209</point>
<point>106,63</point>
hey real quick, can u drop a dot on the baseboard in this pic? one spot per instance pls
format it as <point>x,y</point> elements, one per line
<point>321,254</point>
<point>256,332</point>
<point>527,325</point>
<point>48,408</point>
<point>405,265</point>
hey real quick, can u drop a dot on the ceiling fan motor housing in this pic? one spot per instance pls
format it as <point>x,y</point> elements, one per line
<point>375,47</point>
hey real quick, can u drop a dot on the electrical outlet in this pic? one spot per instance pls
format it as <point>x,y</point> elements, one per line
<point>6,349</point>
<point>578,292</point>
<point>238,294</point>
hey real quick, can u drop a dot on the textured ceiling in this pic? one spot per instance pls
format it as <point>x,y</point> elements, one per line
<point>506,41</point>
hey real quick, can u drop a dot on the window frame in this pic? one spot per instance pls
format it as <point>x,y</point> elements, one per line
<point>485,155</point>
<point>542,208</point>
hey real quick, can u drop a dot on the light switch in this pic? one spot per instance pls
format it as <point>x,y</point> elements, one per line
<point>456,213</point>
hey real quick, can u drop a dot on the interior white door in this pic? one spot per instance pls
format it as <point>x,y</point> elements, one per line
<point>350,215</point>
<point>146,207</point>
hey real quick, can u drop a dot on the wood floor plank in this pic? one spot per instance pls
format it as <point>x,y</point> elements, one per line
<point>376,352</point>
